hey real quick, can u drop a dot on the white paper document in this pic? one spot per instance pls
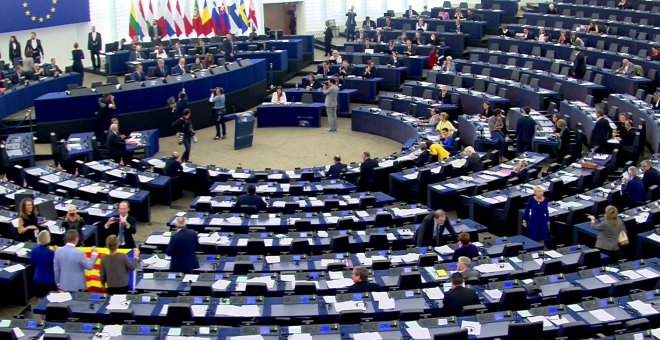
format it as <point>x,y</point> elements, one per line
<point>349,305</point>
<point>419,333</point>
<point>199,310</point>
<point>220,285</point>
<point>367,336</point>
<point>113,330</point>
<point>602,315</point>
<point>642,307</point>
<point>434,293</point>
<point>341,283</point>
<point>242,311</point>
<point>494,294</point>
<point>473,327</point>
<point>59,297</point>
<point>606,279</point>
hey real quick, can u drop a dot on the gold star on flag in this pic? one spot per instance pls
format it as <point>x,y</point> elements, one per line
<point>47,16</point>
<point>54,2</point>
<point>41,19</point>
<point>27,13</point>
<point>52,9</point>
<point>34,18</point>
<point>25,4</point>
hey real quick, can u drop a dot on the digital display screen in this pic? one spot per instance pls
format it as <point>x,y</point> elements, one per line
<point>498,240</point>
<point>384,326</point>
<point>423,250</point>
<point>357,297</point>
<point>552,310</point>
<point>452,222</point>
<point>572,249</point>
<point>87,327</point>
<point>553,278</point>
<point>452,266</point>
<point>200,215</point>
<point>145,330</point>
<point>635,264</point>
<point>171,276</point>
<point>209,258</point>
<point>304,234</point>
<point>407,270</point>
<point>499,316</point>
<point>508,285</point>
<point>296,257</point>
<point>344,213</point>
<point>251,300</point>
<point>197,300</point>
<point>31,324</point>
<point>95,296</point>
<point>597,271</point>
<point>304,299</point>
<point>253,258</point>
<point>649,295</point>
<point>495,261</point>
<point>313,276</point>
<point>381,230</point>
<point>382,253</point>
<point>264,330</point>
<point>342,232</point>
<point>602,303</point>
<point>410,293</point>
<point>146,299</point>
<point>264,235</point>
<point>308,215</point>
<point>339,256</point>
<point>218,276</point>
<point>324,329</point>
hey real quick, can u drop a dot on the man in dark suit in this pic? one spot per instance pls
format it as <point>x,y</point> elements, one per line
<point>336,170</point>
<point>601,132</point>
<point>628,137</point>
<point>161,69</point>
<point>94,44</point>
<point>424,156</point>
<point>464,266</point>
<point>527,35</point>
<point>346,69</point>
<point>430,232</point>
<point>123,225</point>
<point>251,198</point>
<point>651,175</point>
<point>53,69</point>
<point>471,16</point>
<point>228,47</point>
<point>180,68</point>
<point>361,283</point>
<point>19,77</point>
<point>137,54</point>
<point>35,48</point>
<point>410,12</point>
<point>525,131</point>
<point>173,167</point>
<point>182,247</point>
<point>458,296</point>
<point>632,188</point>
<point>410,49</point>
<point>472,162</point>
<point>116,145</point>
<point>155,32</point>
<point>366,180</point>
<point>368,23</point>
<point>445,96</point>
<point>139,75</point>
<point>579,64</point>
<point>178,50</point>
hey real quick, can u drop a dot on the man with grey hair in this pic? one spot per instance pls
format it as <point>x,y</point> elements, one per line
<point>632,188</point>
<point>431,231</point>
<point>651,175</point>
<point>472,161</point>
<point>116,145</point>
<point>464,266</point>
<point>182,248</point>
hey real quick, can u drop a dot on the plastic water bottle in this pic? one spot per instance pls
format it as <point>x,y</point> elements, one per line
<point>296,84</point>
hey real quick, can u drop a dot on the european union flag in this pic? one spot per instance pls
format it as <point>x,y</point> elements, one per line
<point>35,14</point>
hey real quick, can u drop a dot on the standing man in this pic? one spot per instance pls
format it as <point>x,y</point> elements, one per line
<point>122,225</point>
<point>525,131</point>
<point>34,47</point>
<point>350,24</point>
<point>327,36</point>
<point>220,109</point>
<point>228,47</point>
<point>185,132</point>
<point>331,91</point>
<point>430,233</point>
<point>182,248</point>
<point>106,107</point>
<point>155,32</point>
<point>601,132</point>
<point>292,19</point>
<point>366,180</point>
<point>70,264</point>
<point>579,64</point>
<point>94,44</point>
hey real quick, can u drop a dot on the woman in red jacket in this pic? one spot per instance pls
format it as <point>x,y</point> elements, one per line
<point>433,57</point>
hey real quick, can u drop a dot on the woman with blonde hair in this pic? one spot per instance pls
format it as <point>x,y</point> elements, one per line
<point>42,258</point>
<point>608,232</point>
<point>115,267</point>
<point>445,123</point>
<point>536,218</point>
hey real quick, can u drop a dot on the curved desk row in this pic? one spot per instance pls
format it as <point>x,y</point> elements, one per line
<point>613,14</point>
<point>475,29</point>
<point>390,77</point>
<point>22,97</point>
<point>580,112</point>
<point>415,64</point>
<point>343,99</point>
<point>422,50</point>
<point>244,84</point>
<point>640,111</point>
<point>289,114</point>
<point>470,101</point>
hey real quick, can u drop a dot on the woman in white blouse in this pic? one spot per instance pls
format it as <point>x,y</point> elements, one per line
<point>279,97</point>
<point>421,25</point>
<point>336,57</point>
<point>160,52</point>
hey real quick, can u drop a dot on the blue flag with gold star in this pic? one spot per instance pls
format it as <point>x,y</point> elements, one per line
<point>20,15</point>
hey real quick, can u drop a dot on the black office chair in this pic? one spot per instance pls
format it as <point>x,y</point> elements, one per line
<point>118,317</point>
<point>345,223</point>
<point>56,312</point>
<point>512,249</point>
<point>410,314</point>
<point>573,330</point>
<point>383,219</point>
<point>570,295</point>
<point>381,264</point>
<point>410,281</point>
<point>332,204</point>
<point>590,258</point>
<point>243,267</point>
<point>299,247</point>
<point>302,225</point>
<point>529,330</point>
<point>307,98</point>
<point>461,334</point>
<point>473,309</point>
<point>201,288</point>
<point>427,260</point>
<point>255,289</point>
<point>621,288</point>
<point>178,313</point>
<point>350,317</point>
<point>337,266</point>
<point>256,246</point>
<point>367,202</point>
<point>637,325</point>
<point>56,336</point>
<point>339,244</point>
<point>552,267</point>
<point>8,334</point>
<point>378,241</point>
<point>514,299</point>
<point>304,288</point>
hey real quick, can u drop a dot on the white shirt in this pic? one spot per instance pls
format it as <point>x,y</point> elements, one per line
<point>274,99</point>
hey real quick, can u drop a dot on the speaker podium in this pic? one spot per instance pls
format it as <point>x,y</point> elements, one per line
<point>244,130</point>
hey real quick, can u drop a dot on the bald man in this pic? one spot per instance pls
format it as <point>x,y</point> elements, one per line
<point>173,167</point>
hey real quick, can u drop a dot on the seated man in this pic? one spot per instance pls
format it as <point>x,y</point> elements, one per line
<point>173,167</point>
<point>447,140</point>
<point>361,283</point>
<point>250,199</point>
<point>472,162</point>
<point>464,266</point>
<point>632,188</point>
<point>458,296</point>
<point>139,75</point>
<point>336,170</point>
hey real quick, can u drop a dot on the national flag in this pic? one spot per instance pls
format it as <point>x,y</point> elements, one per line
<point>187,20</point>
<point>236,18</point>
<point>197,20</point>
<point>169,20</point>
<point>178,20</point>
<point>207,23</point>
<point>224,23</point>
<point>242,11</point>
<point>93,276</point>
<point>160,18</point>
<point>142,21</point>
<point>151,15</point>
<point>253,16</point>
<point>133,26</point>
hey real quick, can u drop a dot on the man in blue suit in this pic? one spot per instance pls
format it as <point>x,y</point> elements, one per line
<point>161,70</point>
<point>228,47</point>
<point>137,54</point>
<point>632,188</point>
<point>180,68</point>
<point>139,75</point>
<point>525,131</point>
<point>70,264</point>
<point>336,170</point>
<point>182,248</point>
<point>251,198</point>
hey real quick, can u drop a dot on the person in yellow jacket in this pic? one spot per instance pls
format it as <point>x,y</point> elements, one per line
<point>445,123</point>
<point>437,151</point>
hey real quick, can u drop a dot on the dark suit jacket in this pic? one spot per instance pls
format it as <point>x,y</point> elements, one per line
<point>113,229</point>
<point>52,69</point>
<point>525,129</point>
<point>94,45</point>
<point>487,112</point>
<point>412,50</point>
<point>247,199</point>
<point>227,46</point>
<point>18,79</point>
<point>446,99</point>
<point>115,145</point>
<point>161,73</point>
<point>628,139</point>
<point>367,173</point>
<point>409,13</point>
<point>508,33</point>
<point>336,170</point>
<point>634,191</point>
<point>424,235</point>
<point>651,177</point>
<point>173,168</point>
<point>601,133</point>
<point>36,51</point>
<point>182,248</point>
<point>396,63</point>
<point>139,76</point>
<point>423,158</point>
<point>135,55</point>
<point>177,70</point>
<point>369,23</point>
<point>473,163</point>
<point>579,66</point>
<point>363,287</point>
<point>155,31</point>
<point>458,297</point>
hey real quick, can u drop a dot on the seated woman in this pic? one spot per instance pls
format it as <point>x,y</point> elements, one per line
<point>208,61</point>
<point>312,84</point>
<point>279,97</point>
<point>520,170</point>
<point>543,37</point>
<point>593,27</point>
<point>161,53</point>
<point>197,65</point>
<point>335,58</point>
<point>466,249</point>
<point>563,39</point>
<point>445,123</point>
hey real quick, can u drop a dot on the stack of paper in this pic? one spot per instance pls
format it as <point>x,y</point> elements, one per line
<point>367,336</point>
<point>606,279</point>
<point>444,250</point>
<point>642,307</point>
<point>473,327</point>
<point>14,268</point>
<point>55,330</point>
<point>199,310</point>
<point>238,311</point>
<point>434,293</point>
<point>494,267</point>
<point>349,305</point>
<point>384,300</point>
<point>494,294</point>
<point>341,283</point>
<point>220,284</point>
<point>602,315</point>
<point>190,278</point>
<point>59,297</point>
<point>118,302</point>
